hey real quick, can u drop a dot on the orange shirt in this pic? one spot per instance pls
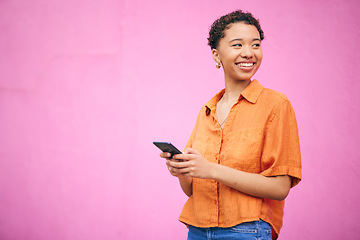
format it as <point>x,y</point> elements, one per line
<point>260,136</point>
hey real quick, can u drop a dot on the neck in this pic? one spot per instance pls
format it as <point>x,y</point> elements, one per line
<point>234,89</point>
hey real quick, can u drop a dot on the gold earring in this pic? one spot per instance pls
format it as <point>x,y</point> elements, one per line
<point>218,65</point>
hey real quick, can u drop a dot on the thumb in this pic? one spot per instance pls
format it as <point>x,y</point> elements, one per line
<point>191,151</point>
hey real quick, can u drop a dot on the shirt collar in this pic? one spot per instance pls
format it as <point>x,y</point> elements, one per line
<point>251,93</point>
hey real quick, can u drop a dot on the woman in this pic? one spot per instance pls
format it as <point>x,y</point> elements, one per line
<point>243,155</point>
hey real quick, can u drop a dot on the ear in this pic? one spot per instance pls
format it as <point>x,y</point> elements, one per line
<point>216,56</point>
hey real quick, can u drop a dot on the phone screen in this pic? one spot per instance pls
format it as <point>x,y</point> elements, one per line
<point>167,147</point>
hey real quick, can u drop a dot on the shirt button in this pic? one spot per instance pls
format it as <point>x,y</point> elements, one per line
<point>215,202</point>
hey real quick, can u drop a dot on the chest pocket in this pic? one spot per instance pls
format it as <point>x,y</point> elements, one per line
<point>243,150</point>
<point>201,144</point>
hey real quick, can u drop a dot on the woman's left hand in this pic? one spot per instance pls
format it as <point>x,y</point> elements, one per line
<point>193,164</point>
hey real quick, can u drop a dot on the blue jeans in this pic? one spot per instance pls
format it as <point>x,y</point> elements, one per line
<point>257,230</point>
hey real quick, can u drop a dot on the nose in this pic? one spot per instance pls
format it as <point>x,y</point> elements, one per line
<point>247,52</point>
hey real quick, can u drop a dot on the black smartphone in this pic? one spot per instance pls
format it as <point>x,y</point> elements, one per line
<point>167,147</point>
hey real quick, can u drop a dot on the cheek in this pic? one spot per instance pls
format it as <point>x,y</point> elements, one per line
<point>259,59</point>
<point>227,54</point>
<point>226,60</point>
<point>260,55</point>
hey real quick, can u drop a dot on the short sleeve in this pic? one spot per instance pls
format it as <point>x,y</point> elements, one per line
<point>192,137</point>
<point>281,151</point>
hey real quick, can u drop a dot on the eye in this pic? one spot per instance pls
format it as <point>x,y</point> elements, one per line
<point>256,45</point>
<point>237,45</point>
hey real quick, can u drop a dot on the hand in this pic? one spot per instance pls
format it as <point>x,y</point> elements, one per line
<point>185,181</point>
<point>171,169</point>
<point>190,164</point>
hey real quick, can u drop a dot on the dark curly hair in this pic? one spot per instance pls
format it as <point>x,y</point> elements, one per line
<point>218,28</point>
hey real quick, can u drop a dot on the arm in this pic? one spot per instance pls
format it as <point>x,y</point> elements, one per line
<point>186,184</point>
<point>257,185</point>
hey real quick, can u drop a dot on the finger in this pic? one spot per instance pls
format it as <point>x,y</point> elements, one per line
<point>177,156</point>
<point>191,151</point>
<point>170,161</point>
<point>173,171</point>
<point>182,157</point>
<point>165,155</point>
<point>180,165</point>
<point>185,171</point>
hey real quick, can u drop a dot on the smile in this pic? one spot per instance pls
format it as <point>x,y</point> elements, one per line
<point>245,64</point>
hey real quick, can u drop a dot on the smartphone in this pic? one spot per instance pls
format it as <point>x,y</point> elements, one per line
<point>167,147</point>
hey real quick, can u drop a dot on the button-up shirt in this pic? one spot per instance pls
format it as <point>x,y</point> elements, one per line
<point>260,136</point>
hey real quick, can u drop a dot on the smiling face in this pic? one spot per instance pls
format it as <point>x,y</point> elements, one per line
<point>239,52</point>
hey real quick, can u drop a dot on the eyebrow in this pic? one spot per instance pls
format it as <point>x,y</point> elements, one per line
<point>240,39</point>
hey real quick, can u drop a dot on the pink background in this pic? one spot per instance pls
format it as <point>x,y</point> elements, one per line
<point>86,86</point>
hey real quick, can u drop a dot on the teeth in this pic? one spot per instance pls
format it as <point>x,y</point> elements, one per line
<point>245,64</point>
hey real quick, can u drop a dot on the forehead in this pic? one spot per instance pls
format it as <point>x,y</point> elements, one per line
<point>241,30</point>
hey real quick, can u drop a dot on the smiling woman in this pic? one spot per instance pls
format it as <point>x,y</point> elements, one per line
<point>243,155</point>
<point>239,52</point>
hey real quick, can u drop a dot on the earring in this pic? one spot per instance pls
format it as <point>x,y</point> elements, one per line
<point>218,65</point>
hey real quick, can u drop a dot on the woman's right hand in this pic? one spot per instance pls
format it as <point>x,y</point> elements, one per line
<point>168,158</point>
<point>185,182</point>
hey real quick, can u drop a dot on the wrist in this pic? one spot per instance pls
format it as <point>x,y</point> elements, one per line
<point>213,169</point>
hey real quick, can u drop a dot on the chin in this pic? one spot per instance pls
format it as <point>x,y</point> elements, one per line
<point>245,78</point>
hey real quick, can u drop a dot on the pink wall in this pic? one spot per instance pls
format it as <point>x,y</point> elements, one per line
<point>86,86</point>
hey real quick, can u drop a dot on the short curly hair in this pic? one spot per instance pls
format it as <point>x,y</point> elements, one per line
<point>217,30</point>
